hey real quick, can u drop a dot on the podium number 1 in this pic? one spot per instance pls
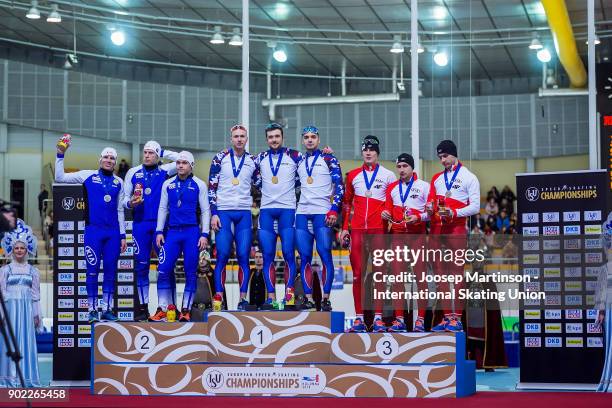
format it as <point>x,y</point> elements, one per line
<point>261,337</point>
<point>387,347</point>
<point>144,342</point>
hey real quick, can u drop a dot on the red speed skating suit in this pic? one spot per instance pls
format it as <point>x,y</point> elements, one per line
<point>366,218</point>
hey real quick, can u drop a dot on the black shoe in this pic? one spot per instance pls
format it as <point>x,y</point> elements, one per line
<point>326,305</point>
<point>307,304</point>
<point>142,313</point>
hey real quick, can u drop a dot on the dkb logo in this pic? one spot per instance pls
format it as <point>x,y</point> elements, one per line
<point>90,255</point>
<point>214,379</point>
<point>532,193</point>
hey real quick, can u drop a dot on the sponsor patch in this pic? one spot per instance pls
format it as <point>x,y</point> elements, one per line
<point>571,216</point>
<point>553,342</point>
<point>550,217</point>
<point>65,342</point>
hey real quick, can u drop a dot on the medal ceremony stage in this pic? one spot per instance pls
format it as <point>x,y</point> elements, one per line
<point>282,354</point>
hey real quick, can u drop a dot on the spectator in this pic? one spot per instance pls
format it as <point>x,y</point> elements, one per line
<point>257,289</point>
<point>477,221</point>
<point>491,223</point>
<point>49,224</point>
<point>489,236</point>
<point>42,205</point>
<point>493,193</point>
<point>123,168</point>
<point>508,194</point>
<point>491,208</point>
<point>506,205</point>
<point>20,285</point>
<point>502,221</point>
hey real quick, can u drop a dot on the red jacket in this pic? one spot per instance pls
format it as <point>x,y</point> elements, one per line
<point>366,210</point>
<point>465,195</point>
<point>415,204</point>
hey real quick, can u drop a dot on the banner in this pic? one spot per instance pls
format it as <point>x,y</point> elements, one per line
<point>560,217</point>
<point>71,329</point>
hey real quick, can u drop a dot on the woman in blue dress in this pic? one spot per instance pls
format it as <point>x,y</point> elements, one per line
<point>20,285</point>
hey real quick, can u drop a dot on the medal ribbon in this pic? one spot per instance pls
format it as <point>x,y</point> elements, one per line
<point>237,172</point>
<point>403,196</point>
<point>369,183</point>
<point>180,189</point>
<point>316,157</point>
<point>450,185</point>
<point>106,182</point>
<point>278,163</point>
<point>149,176</point>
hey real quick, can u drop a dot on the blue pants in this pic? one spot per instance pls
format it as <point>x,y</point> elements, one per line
<point>284,219</point>
<point>143,234</point>
<point>235,224</point>
<point>101,243</point>
<point>185,240</point>
<point>310,227</point>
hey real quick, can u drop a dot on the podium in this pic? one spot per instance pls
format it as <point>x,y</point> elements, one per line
<point>276,354</point>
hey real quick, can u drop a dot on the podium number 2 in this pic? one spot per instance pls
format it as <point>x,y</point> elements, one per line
<point>387,347</point>
<point>144,342</point>
<point>261,336</point>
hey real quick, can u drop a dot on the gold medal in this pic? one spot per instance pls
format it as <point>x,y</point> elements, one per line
<point>148,190</point>
<point>448,194</point>
<point>107,198</point>
<point>235,181</point>
<point>274,180</point>
<point>368,193</point>
<point>309,180</point>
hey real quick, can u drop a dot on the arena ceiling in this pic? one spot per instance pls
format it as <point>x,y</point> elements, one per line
<point>484,39</point>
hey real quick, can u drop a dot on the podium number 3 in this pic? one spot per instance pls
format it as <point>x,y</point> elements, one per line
<point>261,337</point>
<point>144,342</point>
<point>387,347</point>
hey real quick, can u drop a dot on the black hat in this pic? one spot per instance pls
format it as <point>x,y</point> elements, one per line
<point>448,147</point>
<point>405,158</point>
<point>371,142</point>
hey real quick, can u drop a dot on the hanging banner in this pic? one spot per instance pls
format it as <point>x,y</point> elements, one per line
<point>560,217</point>
<point>71,329</point>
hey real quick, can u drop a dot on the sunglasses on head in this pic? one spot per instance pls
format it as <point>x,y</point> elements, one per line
<point>238,127</point>
<point>273,126</point>
<point>310,129</point>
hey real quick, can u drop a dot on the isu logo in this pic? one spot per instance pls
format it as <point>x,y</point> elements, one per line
<point>214,379</point>
<point>162,255</point>
<point>68,203</point>
<point>135,245</point>
<point>532,193</point>
<point>90,255</point>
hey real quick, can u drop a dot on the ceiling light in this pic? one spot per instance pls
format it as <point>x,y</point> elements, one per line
<point>118,37</point>
<point>397,47</point>
<point>279,55</point>
<point>544,55</point>
<point>236,38</point>
<point>33,13</point>
<point>281,10</point>
<point>439,12</point>
<point>420,48</point>
<point>535,43</point>
<point>597,41</point>
<point>71,61</point>
<point>441,58</point>
<point>54,16</point>
<point>217,37</point>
